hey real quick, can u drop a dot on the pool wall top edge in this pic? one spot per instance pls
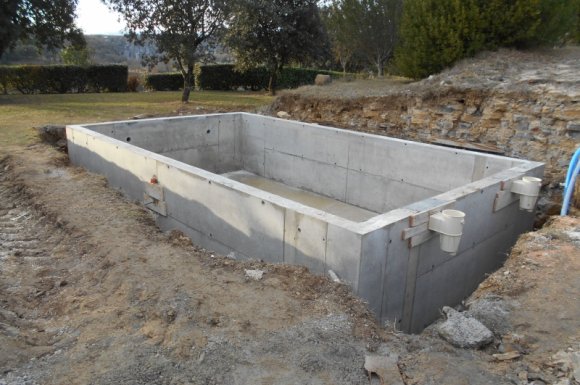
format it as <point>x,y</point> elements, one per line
<point>519,168</point>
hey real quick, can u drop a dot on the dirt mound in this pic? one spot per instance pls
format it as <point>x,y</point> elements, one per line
<point>510,71</point>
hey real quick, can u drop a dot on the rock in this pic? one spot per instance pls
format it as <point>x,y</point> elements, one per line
<point>322,80</point>
<point>333,276</point>
<point>142,116</point>
<point>563,381</point>
<point>573,126</point>
<point>507,356</point>
<point>52,133</point>
<point>283,115</point>
<point>9,330</point>
<point>536,376</point>
<point>569,363</point>
<point>256,275</point>
<point>385,367</point>
<point>230,255</point>
<point>493,312</point>
<point>576,366</point>
<point>464,332</point>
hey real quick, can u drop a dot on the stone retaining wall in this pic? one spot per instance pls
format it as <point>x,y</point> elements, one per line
<point>539,126</point>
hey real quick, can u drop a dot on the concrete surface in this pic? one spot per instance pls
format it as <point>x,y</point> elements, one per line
<point>329,205</point>
<point>308,198</point>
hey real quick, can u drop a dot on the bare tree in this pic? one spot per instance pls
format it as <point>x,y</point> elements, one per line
<point>369,27</point>
<point>343,46</point>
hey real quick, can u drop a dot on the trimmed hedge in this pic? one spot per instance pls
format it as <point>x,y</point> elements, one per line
<point>164,82</point>
<point>225,77</point>
<point>111,78</point>
<point>60,79</point>
<point>296,77</point>
<point>5,76</point>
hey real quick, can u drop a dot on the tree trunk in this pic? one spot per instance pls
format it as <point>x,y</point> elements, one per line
<point>380,72</point>
<point>343,63</point>
<point>187,83</point>
<point>272,82</point>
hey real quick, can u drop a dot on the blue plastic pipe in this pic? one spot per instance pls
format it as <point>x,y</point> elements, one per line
<point>571,176</point>
<point>572,166</point>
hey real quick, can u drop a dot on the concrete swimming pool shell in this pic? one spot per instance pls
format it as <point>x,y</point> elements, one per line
<point>372,209</point>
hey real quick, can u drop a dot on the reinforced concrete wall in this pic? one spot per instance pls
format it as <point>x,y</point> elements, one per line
<point>391,260</point>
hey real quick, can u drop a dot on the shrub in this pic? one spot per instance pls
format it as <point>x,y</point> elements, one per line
<point>296,77</point>
<point>5,76</point>
<point>164,82</point>
<point>227,77</point>
<point>560,22</point>
<point>111,78</point>
<point>436,33</point>
<point>133,83</point>
<point>62,79</point>
<point>30,79</point>
<point>215,77</point>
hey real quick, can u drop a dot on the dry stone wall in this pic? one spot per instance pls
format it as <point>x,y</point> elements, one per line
<point>539,125</point>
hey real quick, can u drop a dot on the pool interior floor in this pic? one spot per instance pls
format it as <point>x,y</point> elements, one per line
<point>307,198</point>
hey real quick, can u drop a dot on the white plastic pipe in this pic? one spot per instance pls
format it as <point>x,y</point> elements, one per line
<point>528,188</point>
<point>449,225</point>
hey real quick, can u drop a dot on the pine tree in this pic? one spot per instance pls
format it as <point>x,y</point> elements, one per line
<point>509,23</point>
<point>435,34</point>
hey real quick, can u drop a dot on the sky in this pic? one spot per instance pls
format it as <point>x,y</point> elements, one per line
<point>94,18</point>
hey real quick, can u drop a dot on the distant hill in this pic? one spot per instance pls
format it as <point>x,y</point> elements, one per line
<point>103,49</point>
<point>116,49</point>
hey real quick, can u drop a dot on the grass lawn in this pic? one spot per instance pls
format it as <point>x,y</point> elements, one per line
<point>20,113</point>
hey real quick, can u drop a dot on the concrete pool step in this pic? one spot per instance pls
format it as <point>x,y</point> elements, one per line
<point>307,198</point>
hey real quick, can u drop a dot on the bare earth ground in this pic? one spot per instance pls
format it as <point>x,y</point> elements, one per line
<point>92,293</point>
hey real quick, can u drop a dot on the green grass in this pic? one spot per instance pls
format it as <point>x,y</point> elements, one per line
<point>20,113</point>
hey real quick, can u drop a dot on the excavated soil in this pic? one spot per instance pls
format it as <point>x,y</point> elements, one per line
<point>91,292</point>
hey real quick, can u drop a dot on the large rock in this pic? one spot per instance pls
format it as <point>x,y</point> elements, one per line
<point>493,312</point>
<point>385,366</point>
<point>283,115</point>
<point>322,80</point>
<point>464,332</point>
